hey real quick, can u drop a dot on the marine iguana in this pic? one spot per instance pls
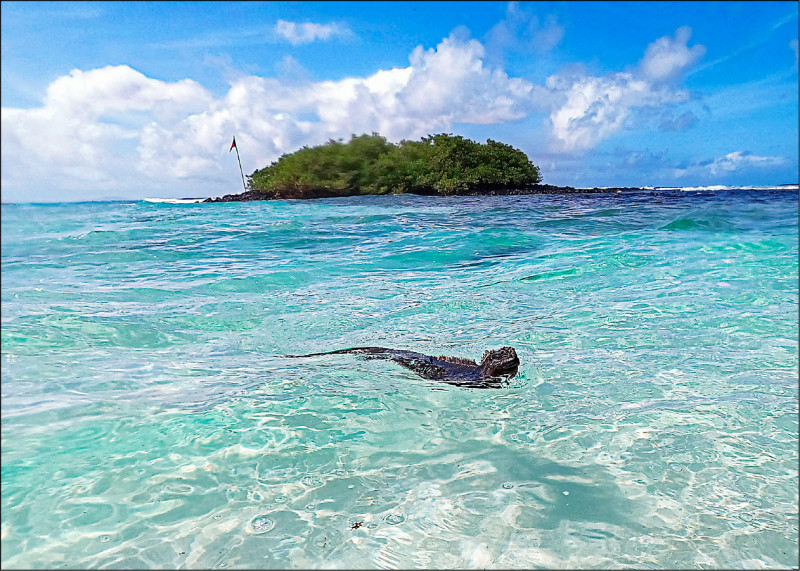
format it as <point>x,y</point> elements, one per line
<point>495,366</point>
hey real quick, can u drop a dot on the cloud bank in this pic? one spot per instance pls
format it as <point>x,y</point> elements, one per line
<point>736,161</point>
<point>114,130</point>
<point>597,107</point>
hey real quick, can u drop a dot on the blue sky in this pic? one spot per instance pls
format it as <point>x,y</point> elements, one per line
<point>133,99</point>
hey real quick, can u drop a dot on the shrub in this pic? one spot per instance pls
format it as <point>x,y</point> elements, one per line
<point>369,164</point>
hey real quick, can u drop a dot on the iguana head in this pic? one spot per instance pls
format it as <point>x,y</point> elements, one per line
<point>501,362</point>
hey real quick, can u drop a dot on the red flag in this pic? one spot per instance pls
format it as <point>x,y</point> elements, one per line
<point>233,145</point>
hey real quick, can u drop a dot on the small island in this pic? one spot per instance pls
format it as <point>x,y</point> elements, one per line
<point>436,165</point>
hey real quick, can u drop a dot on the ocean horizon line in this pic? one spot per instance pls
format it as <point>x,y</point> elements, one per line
<point>200,199</point>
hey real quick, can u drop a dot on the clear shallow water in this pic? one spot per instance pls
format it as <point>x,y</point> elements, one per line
<point>149,420</point>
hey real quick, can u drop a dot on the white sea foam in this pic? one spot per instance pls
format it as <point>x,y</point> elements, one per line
<point>710,188</point>
<point>716,187</point>
<point>175,200</point>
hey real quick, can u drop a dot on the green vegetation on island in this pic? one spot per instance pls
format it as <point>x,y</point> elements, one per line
<point>440,164</point>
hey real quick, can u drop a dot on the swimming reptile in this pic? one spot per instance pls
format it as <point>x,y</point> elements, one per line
<point>495,366</point>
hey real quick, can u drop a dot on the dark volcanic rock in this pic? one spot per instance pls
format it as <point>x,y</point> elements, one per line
<point>282,194</point>
<point>244,196</point>
<point>501,190</point>
<point>475,190</point>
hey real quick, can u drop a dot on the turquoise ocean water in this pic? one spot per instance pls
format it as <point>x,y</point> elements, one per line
<point>150,420</point>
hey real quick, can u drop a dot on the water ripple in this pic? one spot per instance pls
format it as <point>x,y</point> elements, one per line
<point>150,418</point>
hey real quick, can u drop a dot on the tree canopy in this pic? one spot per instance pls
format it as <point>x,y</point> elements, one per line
<point>369,164</point>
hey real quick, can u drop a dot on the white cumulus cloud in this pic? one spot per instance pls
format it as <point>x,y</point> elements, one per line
<point>115,130</point>
<point>597,107</point>
<point>594,108</point>
<point>668,58</point>
<point>88,125</point>
<point>742,159</point>
<point>730,163</point>
<point>441,86</point>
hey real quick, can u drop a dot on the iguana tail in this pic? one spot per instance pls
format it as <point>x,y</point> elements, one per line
<point>354,350</point>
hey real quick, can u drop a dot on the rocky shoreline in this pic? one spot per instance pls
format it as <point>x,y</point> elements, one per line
<point>311,193</point>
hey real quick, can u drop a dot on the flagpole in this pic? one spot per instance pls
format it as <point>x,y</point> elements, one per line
<point>235,146</point>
